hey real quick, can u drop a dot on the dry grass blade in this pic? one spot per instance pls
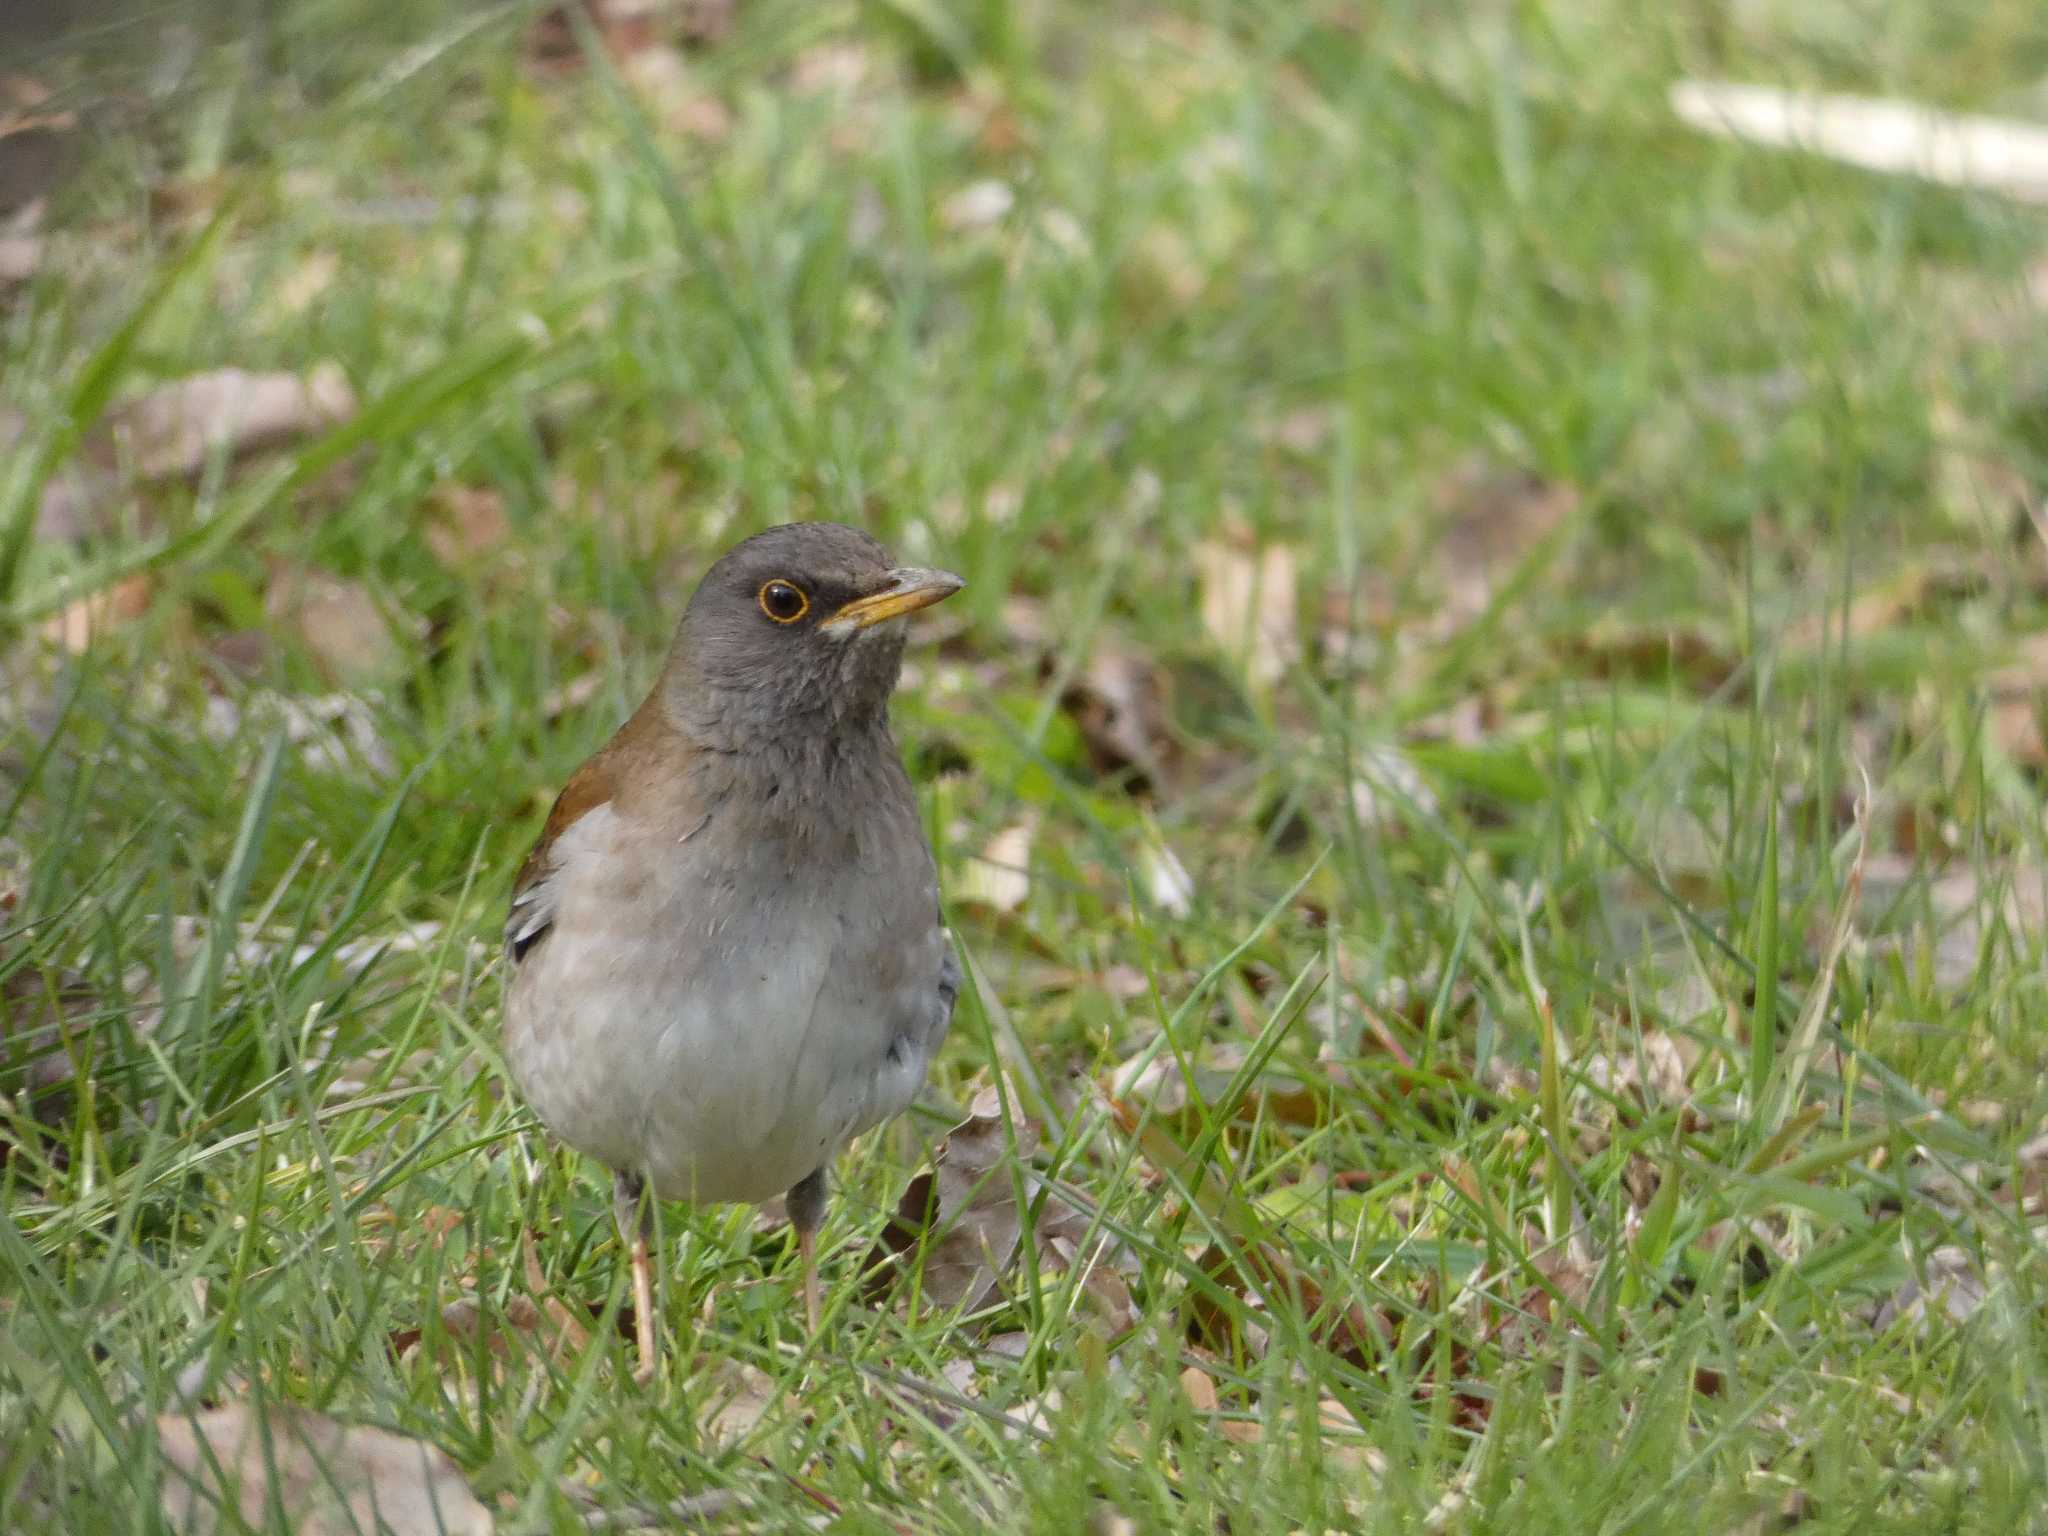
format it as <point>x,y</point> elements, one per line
<point>1805,1043</point>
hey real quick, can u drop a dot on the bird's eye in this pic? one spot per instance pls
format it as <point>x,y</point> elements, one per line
<point>783,601</point>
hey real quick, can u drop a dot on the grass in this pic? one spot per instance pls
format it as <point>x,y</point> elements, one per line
<point>1718,769</point>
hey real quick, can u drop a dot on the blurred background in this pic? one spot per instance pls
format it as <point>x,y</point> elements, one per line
<point>1503,645</point>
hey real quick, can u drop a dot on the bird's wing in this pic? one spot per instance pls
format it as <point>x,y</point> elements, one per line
<point>536,888</point>
<point>949,980</point>
<point>637,774</point>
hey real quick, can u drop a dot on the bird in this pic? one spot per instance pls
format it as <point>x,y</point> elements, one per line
<point>726,955</point>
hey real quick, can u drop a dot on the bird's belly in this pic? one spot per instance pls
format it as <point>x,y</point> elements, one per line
<point>721,1066</point>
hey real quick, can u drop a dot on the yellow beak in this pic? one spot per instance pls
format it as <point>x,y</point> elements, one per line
<point>909,589</point>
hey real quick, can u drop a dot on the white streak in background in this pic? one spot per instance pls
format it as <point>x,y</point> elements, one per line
<point>1879,134</point>
<point>1167,880</point>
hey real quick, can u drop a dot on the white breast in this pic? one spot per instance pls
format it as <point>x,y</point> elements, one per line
<point>721,1042</point>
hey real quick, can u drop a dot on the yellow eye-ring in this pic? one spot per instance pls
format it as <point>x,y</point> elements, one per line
<point>783,601</point>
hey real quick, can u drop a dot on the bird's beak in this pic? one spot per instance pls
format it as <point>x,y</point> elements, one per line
<point>909,589</point>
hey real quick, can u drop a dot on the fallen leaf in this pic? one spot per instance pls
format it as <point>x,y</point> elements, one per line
<point>337,620</point>
<point>1119,705</point>
<point>239,654</point>
<point>1248,606</point>
<point>323,1477</point>
<point>1962,906</point>
<point>1653,1071</point>
<point>1262,1275</point>
<point>574,694</point>
<point>1877,133</point>
<point>962,1214</point>
<point>1949,1286</point>
<point>999,877</point>
<point>311,277</point>
<point>1182,1095</point>
<point>336,732</point>
<point>1388,788</point>
<point>1494,521</point>
<point>1613,646</point>
<point>175,428</point>
<point>834,68</point>
<point>625,27</point>
<point>978,205</point>
<point>26,106</point>
<point>740,1398</point>
<point>464,523</point>
<point>569,1333</point>
<point>183,202</point>
<point>21,257</point>
<point>2017,689</point>
<point>1870,612</point>
<point>1167,880</point>
<point>959,1230</point>
<point>84,620</point>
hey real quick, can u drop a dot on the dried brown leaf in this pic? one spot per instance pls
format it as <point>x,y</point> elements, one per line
<point>2017,690</point>
<point>1261,1276</point>
<point>81,622</point>
<point>1948,1288</point>
<point>173,429</point>
<point>323,1476</point>
<point>742,1396</point>
<point>627,28</point>
<point>21,257</point>
<point>1119,704</point>
<point>1964,904</point>
<point>1248,606</point>
<point>959,1227</point>
<point>27,106</point>
<point>1493,521</point>
<point>1182,1097</point>
<point>1652,1070</point>
<point>962,1213</point>
<point>1618,647</point>
<point>999,877</point>
<point>465,523</point>
<point>339,622</point>
<point>569,1333</point>
<point>1870,612</point>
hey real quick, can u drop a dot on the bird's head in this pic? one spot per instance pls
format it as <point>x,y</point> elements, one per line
<point>796,631</point>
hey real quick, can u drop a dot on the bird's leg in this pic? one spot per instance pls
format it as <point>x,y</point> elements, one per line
<point>635,1217</point>
<point>806,1204</point>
